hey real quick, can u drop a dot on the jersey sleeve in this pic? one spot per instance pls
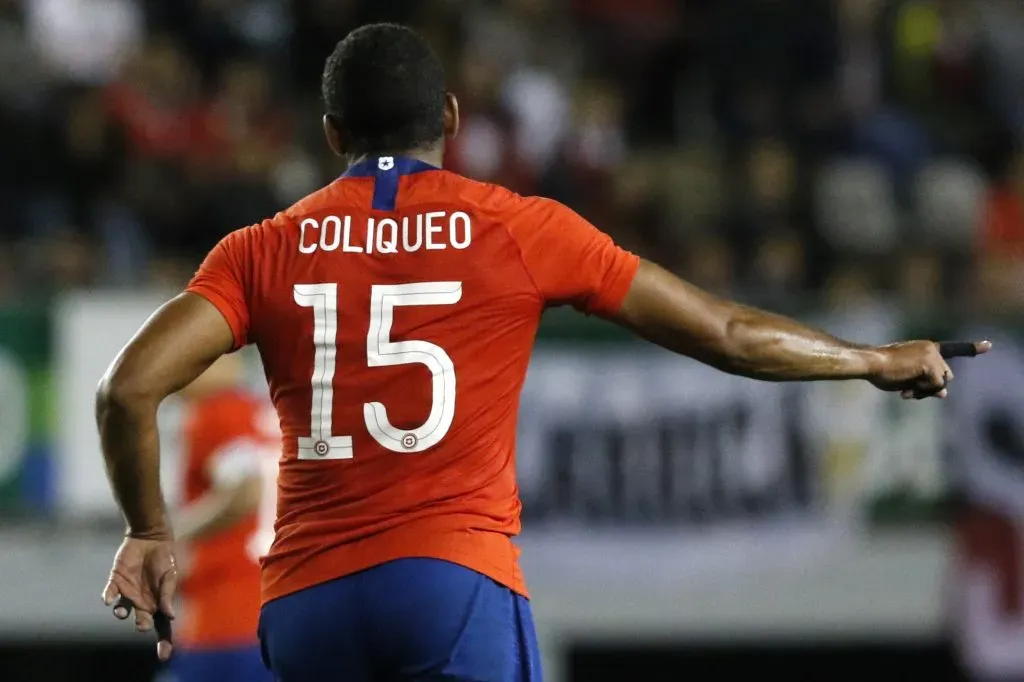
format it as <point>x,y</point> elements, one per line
<point>570,260</point>
<point>224,280</point>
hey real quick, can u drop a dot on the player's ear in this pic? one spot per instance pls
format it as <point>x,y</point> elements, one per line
<point>334,135</point>
<point>451,115</point>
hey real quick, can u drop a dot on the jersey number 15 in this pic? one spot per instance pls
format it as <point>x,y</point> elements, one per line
<point>381,351</point>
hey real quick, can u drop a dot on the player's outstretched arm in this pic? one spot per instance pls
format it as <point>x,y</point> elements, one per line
<point>177,344</point>
<point>753,343</point>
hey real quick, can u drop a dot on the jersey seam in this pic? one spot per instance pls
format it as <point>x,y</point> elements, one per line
<point>522,260</point>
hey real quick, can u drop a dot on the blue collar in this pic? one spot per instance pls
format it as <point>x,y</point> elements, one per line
<point>376,165</point>
<point>386,171</point>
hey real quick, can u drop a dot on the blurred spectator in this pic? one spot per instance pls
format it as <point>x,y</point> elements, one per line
<point>597,142</point>
<point>84,41</point>
<point>1001,247</point>
<point>154,102</point>
<point>630,207</point>
<point>797,133</point>
<point>486,146</point>
<point>861,72</point>
<point>856,308</point>
<point>711,264</point>
<point>244,135</point>
<point>62,261</point>
<point>949,195</point>
<point>936,74</point>
<point>856,207</point>
<point>771,177</point>
<point>920,281</point>
<point>245,125</point>
<point>1002,53</point>
<point>1003,237</point>
<point>92,152</point>
<point>693,189</point>
<point>779,271</point>
<point>22,76</point>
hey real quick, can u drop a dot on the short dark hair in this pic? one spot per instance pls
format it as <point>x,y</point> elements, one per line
<point>386,87</point>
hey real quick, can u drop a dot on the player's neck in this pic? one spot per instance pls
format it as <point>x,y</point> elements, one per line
<point>433,157</point>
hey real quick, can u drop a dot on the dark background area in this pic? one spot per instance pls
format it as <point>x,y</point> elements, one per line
<point>595,662</point>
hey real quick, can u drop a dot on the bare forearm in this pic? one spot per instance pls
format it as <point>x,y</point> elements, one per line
<point>737,339</point>
<point>131,451</point>
<point>761,345</point>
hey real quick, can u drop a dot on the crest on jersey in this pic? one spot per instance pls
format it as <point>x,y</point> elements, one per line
<point>386,163</point>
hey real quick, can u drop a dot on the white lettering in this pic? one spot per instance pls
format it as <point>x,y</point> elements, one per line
<point>387,243</point>
<point>333,223</point>
<point>348,248</point>
<point>303,246</point>
<point>467,237</point>
<point>433,229</point>
<point>410,247</point>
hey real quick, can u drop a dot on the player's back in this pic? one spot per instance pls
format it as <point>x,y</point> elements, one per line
<point>395,311</point>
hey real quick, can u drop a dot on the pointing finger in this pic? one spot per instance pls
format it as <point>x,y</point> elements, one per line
<point>964,349</point>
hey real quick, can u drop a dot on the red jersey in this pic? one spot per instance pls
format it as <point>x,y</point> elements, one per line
<point>227,438</point>
<point>395,311</point>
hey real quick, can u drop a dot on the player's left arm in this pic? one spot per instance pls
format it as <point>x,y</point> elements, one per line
<point>177,344</point>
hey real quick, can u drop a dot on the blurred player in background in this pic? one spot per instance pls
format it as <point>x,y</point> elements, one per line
<point>395,311</point>
<point>231,445</point>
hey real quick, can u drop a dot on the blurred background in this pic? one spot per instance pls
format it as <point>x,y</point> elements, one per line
<point>856,163</point>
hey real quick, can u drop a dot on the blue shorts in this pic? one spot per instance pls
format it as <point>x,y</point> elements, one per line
<point>218,665</point>
<point>410,620</point>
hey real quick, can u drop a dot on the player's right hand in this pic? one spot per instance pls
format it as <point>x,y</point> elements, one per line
<point>144,578</point>
<point>918,369</point>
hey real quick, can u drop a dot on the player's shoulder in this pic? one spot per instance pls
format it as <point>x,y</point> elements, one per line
<point>501,203</point>
<point>480,194</point>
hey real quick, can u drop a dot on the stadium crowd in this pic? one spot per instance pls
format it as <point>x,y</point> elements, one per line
<point>761,148</point>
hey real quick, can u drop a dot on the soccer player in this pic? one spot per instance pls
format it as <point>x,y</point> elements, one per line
<point>395,311</point>
<point>231,445</point>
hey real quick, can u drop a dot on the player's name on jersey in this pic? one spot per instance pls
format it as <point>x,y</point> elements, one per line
<point>431,231</point>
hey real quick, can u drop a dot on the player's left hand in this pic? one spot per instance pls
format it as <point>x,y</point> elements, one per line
<point>144,578</point>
